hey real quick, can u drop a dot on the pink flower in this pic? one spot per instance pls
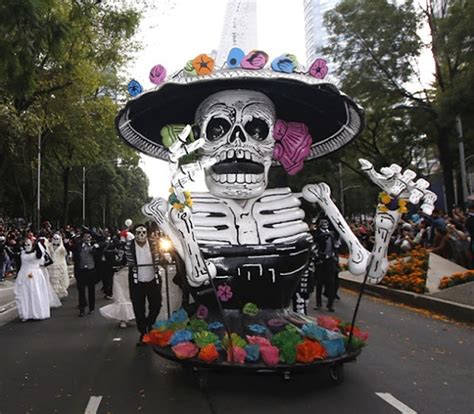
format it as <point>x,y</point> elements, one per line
<point>202,312</point>
<point>239,354</point>
<point>258,340</point>
<point>256,59</point>
<point>270,354</point>
<point>185,350</point>
<point>157,74</point>
<point>224,292</point>
<point>318,69</point>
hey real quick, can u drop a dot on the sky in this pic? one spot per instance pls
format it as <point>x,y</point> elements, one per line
<point>175,31</point>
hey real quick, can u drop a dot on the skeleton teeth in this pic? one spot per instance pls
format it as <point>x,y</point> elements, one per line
<point>240,153</point>
<point>254,178</point>
<point>231,178</point>
<point>248,178</point>
<point>247,155</point>
<point>230,153</point>
<point>241,178</point>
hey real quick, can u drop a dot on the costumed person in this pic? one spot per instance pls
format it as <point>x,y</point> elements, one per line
<point>326,263</point>
<point>31,287</point>
<point>245,246</point>
<point>84,256</point>
<point>58,273</point>
<point>106,264</point>
<point>43,243</point>
<point>143,279</point>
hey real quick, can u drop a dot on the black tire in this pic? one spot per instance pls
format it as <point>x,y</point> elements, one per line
<point>336,372</point>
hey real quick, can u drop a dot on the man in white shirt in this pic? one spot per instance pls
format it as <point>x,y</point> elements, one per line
<point>144,280</point>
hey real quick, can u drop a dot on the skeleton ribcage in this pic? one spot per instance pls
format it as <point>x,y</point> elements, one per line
<point>274,217</point>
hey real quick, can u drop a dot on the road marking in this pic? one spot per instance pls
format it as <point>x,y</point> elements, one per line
<point>387,397</point>
<point>116,339</point>
<point>93,404</point>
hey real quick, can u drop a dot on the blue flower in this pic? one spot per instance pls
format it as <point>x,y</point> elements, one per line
<point>253,353</point>
<point>179,316</point>
<point>181,336</point>
<point>315,332</point>
<point>161,325</point>
<point>334,347</point>
<point>215,325</point>
<point>256,328</point>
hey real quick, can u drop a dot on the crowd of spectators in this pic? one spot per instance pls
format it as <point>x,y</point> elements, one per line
<point>448,235</point>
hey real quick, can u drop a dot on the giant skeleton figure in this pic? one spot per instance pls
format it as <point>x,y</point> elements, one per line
<point>235,146</point>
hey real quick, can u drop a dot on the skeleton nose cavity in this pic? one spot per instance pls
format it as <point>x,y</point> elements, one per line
<point>237,133</point>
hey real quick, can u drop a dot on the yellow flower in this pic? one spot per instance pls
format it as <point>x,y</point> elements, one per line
<point>178,206</point>
<point>385,198</point>
<point>382,208</point>
<point>189,202</point>
<point>171,190</point>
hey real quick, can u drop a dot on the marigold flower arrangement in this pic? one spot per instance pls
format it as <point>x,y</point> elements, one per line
<point>387,202</point>
<point>456,279</point>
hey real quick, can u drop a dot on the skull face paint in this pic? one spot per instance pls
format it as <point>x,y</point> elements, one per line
<point>140,234</point>
<point>56,242</point>
<point>28,245</point>
<point>237,126</point>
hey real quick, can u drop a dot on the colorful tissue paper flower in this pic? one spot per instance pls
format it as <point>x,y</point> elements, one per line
<point>250,309</point>
<point>204,338</point>
<point>346,330</point>
<point>276,324</point>
<point>157,74</point>
<point>179,315</point>
<point>215,325</point>
<point>329,322</point>
<point>134,88</point>
<point>258,340</point>
<point>197,325</point>
<point>314,332</point>
<point>256,59</point>
<point>185,350</point>
<point>181,336</point>
<point>334,347</point>
<point>286,63</point>
<point>234,58</point>
<point>270,355</point>
<point>292,146</point>
<point>161,325</point>
<point>224,292</point>
<point>253,353</point>
<point>237,354</point>
<point>308,351</point>
<point>202,312</point>
<point>203,64</point>
<point>208,353</point>
<point>318,69</point>
<point>286,342</point>
<point>236,340</point>
<point>256,328</point>
<point>156,337</point>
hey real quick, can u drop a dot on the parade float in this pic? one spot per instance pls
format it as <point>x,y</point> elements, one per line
<point>245,246</point>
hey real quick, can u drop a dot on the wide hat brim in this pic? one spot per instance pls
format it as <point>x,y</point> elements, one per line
<point>332,117</point>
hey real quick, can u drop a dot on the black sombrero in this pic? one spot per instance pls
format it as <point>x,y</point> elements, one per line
<point>332,117</point>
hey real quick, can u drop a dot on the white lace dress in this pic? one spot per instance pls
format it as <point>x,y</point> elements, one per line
<point>31,289</point>
<point>58,274</point>
<point>121,309</point>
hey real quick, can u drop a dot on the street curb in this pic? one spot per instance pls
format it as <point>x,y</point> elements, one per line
<point>457,311</point>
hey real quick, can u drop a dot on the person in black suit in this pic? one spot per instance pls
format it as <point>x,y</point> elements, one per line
<point>326,261</point>
<point>85,258</point>
<point>142,256</point>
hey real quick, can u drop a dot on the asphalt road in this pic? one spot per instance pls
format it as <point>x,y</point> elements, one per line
<point>66,364</point>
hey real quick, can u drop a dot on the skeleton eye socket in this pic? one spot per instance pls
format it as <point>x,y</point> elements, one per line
<point>257,129</point>
<point>217,128</point>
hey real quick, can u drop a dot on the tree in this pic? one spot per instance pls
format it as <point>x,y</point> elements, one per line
<point>376,46</point>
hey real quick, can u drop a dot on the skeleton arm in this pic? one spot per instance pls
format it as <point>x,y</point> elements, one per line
<point>177,223</point>
<point>321,194</point>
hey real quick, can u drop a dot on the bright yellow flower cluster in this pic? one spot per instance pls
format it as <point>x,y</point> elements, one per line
<point>385,199</point>
<point>178,205</point>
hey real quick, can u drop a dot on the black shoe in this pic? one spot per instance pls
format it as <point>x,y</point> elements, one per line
<point>331,309</point>
<point>140,341</point>
<point>91,311</point>
<point>337,297</point>
<point>81,313</point>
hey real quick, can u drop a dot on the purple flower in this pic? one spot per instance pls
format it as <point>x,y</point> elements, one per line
<point>224,292</point>
<point>276,323</point>
<point>202,312</point>
<point>318,69</point>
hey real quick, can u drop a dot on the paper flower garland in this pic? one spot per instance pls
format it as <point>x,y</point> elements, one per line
<point>134,88</point>
<point>254,60</point>
<point>157,74</point>
<point>389,203</point>
<point>318,69</point>
<point>286,63</point>
<point>234,58</point>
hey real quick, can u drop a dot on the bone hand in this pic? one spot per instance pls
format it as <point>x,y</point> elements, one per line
<point>198,271</point>
<point>321,194</point>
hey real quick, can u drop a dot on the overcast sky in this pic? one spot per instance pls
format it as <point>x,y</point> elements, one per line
<point>175,31</point>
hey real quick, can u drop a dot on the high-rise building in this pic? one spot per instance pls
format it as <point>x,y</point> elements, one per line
<point>240,28</point>
<point>315,32</point>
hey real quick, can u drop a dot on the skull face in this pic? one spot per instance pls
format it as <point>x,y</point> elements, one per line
<point>140,234</point>
<point>237,126</point>
<point>56,242</point>
<point>28,245</point>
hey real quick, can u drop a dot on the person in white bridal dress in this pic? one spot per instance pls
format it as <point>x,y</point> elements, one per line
<point>58,274</point>
<point>31,287</point>
<point>43,243</point>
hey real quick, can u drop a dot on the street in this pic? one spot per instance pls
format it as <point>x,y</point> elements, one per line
<point>66,363</point>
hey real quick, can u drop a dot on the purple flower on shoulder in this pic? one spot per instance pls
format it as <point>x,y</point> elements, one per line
<point>318,69</point>
<point>224,292</point>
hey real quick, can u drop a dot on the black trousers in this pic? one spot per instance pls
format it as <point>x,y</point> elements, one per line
<point>107,276</point>
<point>86,279</point>
<point>325,276</point>
<point>139,293</point>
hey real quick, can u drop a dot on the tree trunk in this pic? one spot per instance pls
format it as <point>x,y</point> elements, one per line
<point>447,165</point>
<point>66,176</point>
